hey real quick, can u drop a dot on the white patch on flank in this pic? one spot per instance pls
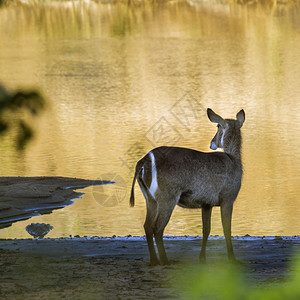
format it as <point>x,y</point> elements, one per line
<point>154,184</point>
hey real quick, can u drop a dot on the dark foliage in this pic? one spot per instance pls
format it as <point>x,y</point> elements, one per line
<point>18,103</point>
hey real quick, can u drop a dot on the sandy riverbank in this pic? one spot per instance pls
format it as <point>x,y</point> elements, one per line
<point>24,197</point>
<point>117,267</point>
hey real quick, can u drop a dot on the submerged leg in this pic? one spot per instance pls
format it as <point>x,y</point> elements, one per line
<point>206,217</point>
<point>226,215</point>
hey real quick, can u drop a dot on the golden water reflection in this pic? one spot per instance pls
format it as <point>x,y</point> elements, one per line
<point>116,72</point>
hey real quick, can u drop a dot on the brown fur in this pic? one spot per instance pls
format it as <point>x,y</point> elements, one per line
<point>192,179</point>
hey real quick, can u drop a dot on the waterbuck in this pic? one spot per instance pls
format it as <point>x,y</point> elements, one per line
<point>192,179</point>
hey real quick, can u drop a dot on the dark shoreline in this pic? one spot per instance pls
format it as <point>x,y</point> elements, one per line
<point>118,267</point>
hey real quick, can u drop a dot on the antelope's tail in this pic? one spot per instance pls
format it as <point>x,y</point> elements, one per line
<point>138,169</point>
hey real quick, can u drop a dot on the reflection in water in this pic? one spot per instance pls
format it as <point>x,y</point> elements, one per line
<point>124,78</point>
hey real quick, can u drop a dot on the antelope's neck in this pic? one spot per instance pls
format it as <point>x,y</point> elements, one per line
<point>233,148</point>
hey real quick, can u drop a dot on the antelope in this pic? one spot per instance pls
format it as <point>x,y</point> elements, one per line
<point>170,176</point>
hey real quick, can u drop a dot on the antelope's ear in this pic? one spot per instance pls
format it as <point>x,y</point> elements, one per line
<point>240,116</point>
<point>215,118</point>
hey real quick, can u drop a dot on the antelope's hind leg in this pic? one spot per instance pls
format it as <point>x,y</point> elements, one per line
<point>149,228</point>
<point>165,208</point>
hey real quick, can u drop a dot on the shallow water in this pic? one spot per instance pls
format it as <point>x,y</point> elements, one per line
<point>121,79</point>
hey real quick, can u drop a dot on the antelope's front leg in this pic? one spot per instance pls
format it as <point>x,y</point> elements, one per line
<point>226,215</point>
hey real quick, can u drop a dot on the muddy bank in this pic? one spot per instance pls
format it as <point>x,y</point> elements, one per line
<point>25,197</point>
<point>117,268</point>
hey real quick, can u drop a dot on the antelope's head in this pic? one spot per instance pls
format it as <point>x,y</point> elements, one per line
<point>227,128</point>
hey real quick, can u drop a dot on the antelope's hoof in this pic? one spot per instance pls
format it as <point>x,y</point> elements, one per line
<point>165,263</point>
<point>202,260</point>
<point>154,263</point>
<point>236,262</point>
